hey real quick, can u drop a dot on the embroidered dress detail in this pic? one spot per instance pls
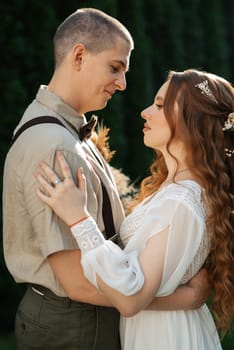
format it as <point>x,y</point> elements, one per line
<point>87,235</point>
<point>198,260</point>
<point>104,258</point>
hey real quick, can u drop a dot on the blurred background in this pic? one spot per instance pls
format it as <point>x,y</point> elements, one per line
<point>168,34</point>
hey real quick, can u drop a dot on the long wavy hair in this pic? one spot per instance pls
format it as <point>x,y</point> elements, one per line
<point>200,121</point>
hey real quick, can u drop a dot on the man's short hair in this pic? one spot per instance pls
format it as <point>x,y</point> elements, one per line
<point>93,28</point>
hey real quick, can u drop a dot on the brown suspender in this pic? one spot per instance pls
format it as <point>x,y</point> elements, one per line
<point>36,121</point>
<point>106,204</point>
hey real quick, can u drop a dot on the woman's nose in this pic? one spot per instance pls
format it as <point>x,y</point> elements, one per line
<point>145,114</point>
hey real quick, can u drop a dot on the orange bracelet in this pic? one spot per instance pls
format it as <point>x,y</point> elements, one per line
<point>77,222</point>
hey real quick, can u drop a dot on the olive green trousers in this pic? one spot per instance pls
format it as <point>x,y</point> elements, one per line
<point>49,322</point>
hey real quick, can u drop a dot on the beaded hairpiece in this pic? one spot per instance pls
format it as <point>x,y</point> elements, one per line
<point>229,152</point>
<point>205,89</point>
<point>229,123</point>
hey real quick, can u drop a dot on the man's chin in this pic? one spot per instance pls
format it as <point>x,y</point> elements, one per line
<point>103,105</point>
<point>100,106</point>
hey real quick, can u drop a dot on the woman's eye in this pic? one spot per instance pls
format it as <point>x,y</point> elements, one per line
<point>159,106</point>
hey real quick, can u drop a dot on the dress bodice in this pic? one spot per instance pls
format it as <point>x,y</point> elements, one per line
<point>158,209</point>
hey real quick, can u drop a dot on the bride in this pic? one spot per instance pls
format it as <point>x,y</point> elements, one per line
<point>183,215</point>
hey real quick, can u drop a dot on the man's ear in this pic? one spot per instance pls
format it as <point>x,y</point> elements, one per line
<point>78,53</point>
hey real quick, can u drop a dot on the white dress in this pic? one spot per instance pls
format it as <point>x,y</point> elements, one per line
<point>178,207</point>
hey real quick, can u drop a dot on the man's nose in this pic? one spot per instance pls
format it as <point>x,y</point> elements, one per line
<point>121,83</point>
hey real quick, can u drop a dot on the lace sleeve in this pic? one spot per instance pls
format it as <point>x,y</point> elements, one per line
<point>118,269</point>
<point>187,245</point>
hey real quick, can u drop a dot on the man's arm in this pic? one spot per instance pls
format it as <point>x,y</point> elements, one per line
<point>66,266</point>
<point>68,271</point>
<point>186,297</point>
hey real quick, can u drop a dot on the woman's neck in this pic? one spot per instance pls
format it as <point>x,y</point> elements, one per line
<point>178,168</point>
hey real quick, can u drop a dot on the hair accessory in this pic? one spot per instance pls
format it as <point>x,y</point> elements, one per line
<point>229,123</point>
<point>229,152</point>
<point>205,89</point>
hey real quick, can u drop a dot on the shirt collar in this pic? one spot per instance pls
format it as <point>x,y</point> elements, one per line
<point>56,104</point>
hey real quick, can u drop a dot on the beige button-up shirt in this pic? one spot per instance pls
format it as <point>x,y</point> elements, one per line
<point>31,231</point>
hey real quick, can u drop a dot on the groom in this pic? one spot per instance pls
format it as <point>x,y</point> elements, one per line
<point>61,309</point>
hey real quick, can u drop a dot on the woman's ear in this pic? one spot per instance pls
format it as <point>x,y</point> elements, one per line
<point>78,53</point>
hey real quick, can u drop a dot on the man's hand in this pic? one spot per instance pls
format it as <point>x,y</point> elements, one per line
<point>201,288</point>
<point>186,297</point>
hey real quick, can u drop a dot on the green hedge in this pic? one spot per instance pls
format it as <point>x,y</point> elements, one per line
<point>168,34</point>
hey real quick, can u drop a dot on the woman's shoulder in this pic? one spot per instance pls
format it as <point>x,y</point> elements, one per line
<point>184,188</point>
<point>187,194</point>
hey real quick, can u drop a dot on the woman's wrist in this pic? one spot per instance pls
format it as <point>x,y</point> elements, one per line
<point>79,221</point>
<point>77,217</point>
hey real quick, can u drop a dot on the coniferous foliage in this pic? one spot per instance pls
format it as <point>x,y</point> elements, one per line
<point>168,34</point>
<point>216,46</point>
<point>139,91</point>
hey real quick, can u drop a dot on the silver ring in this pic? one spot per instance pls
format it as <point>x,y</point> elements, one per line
<point>68,177</point>
<point>57,181</point>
